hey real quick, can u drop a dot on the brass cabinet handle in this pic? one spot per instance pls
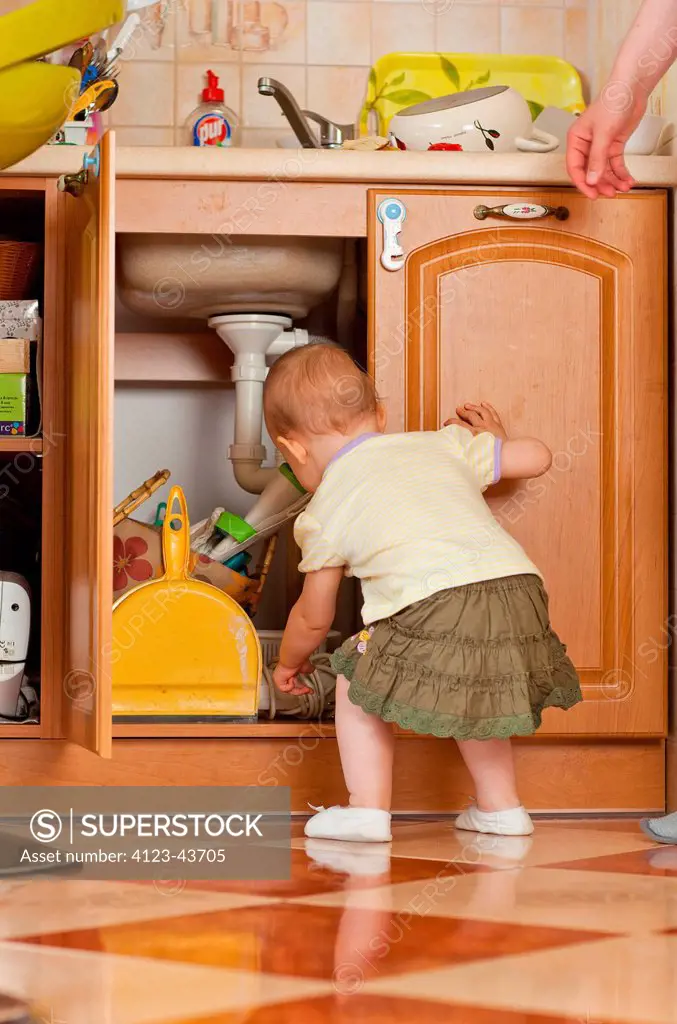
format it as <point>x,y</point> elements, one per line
<point>74,184</point>
<point>521,211</point>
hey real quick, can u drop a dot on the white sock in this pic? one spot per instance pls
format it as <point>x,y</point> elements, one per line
<point>513,822</point>
<point>351,824</point>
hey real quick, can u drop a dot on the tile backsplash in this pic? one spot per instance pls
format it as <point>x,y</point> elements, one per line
<point>321,49</point>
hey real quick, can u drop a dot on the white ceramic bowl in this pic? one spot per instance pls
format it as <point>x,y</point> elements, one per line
<point>650,135</point>
<point>491,120</point>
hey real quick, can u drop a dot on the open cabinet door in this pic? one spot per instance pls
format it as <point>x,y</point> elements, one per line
<point>89,233</point>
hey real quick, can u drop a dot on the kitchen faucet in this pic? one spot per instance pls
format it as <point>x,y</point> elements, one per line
<point>331,135</point>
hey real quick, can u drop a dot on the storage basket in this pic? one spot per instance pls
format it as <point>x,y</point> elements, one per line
<point>19,264</point>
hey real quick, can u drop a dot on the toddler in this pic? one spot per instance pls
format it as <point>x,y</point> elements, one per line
<point>457,640</point>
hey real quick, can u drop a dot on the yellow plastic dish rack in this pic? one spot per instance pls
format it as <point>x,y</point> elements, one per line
<point>400,80</point>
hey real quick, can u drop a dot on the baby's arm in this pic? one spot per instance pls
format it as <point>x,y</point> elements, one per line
<point>521,457</point>
<point>307,626</point>
<point>524,457</point>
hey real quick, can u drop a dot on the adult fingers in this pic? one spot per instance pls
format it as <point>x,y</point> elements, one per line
<point>618,174</point>
<point>578,151</point>
<point>606,187</point>
<point>598,161</point>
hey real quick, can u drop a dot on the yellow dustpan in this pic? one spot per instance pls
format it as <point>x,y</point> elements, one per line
<point>182,648</point>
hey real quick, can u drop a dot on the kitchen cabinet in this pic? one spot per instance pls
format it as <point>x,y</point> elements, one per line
<point>89,237</point>
<point>74,453</point>
<point>561,325</point>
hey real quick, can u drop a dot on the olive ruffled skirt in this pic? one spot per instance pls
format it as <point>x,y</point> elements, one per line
<point>475,662</point>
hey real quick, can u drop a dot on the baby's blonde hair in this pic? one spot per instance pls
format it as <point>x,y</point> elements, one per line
<point>317,389</point>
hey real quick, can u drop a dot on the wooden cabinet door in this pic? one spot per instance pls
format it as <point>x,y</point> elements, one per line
<point>88,275</point>
<point>562,326</point>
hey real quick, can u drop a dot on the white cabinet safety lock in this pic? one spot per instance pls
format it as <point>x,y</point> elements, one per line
<point>391,213</point>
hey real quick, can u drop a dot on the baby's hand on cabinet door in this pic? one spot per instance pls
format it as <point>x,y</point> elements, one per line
<point>479,418</point>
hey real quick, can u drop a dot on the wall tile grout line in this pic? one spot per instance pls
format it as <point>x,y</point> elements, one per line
<point>325,52</point>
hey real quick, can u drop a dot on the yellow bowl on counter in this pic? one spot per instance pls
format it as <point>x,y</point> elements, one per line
<point>35,100</point>
<point>46,25</point>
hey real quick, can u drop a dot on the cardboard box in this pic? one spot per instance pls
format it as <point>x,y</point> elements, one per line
<point>30,329</point>
<point>19,309</point>
<point>137,557</point>
<point>13,404</point>
<point>15,355</point>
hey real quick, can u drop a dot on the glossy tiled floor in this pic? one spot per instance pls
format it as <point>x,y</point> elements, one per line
<point>578,924</point>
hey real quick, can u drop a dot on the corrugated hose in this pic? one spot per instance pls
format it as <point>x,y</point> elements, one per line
<point>322,682</point>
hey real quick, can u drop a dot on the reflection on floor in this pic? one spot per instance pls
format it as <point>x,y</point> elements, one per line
<point>576,925</point>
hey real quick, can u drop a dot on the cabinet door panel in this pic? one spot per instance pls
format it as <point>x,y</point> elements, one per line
<point>89,312</point>
<point>521,353</point>
<point>562,327</point>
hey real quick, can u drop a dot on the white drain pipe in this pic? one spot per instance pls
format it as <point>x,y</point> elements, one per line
<point>252,338</point>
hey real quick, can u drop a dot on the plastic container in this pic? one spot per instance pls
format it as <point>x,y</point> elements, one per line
<point>271,641</point>
<point>213,123</point>
<point>282,491</point>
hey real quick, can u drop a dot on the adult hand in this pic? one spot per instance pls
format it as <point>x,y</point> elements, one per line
<point>596,141</point>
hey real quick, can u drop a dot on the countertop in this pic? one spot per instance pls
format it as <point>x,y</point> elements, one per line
<point>438,168</point>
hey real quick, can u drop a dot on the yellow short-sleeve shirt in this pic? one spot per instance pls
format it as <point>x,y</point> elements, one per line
<point>406,515</point>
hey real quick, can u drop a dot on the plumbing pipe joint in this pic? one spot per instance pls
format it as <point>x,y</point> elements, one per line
<point>248,371</point>
<point>247,453</point>
<point>252,338</point>
<point>288,340</point>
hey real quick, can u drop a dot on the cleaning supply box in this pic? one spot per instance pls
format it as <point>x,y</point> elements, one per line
<point>20,333</point>
<point>15,355</point>
<point>19,309</point>
<point>13,404</point>
<point>29,328</point>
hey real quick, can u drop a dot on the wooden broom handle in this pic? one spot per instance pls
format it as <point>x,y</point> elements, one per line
<point>137,497</point>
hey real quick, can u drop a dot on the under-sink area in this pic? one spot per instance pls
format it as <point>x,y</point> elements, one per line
<point>198,319</point>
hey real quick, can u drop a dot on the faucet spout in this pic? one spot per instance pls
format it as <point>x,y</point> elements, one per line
<point>291,110</point>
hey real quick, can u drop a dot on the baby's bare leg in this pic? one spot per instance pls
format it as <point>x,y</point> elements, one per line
<point>366,745</point>
<point>498,810</point>
<point>492,766</point>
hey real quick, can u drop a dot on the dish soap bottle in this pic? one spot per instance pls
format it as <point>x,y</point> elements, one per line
<point>213,123</point>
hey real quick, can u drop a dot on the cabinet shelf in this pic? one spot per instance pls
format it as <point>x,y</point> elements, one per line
<point>278,729</point>
<point>21,444</point>
<point>29,731</point>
